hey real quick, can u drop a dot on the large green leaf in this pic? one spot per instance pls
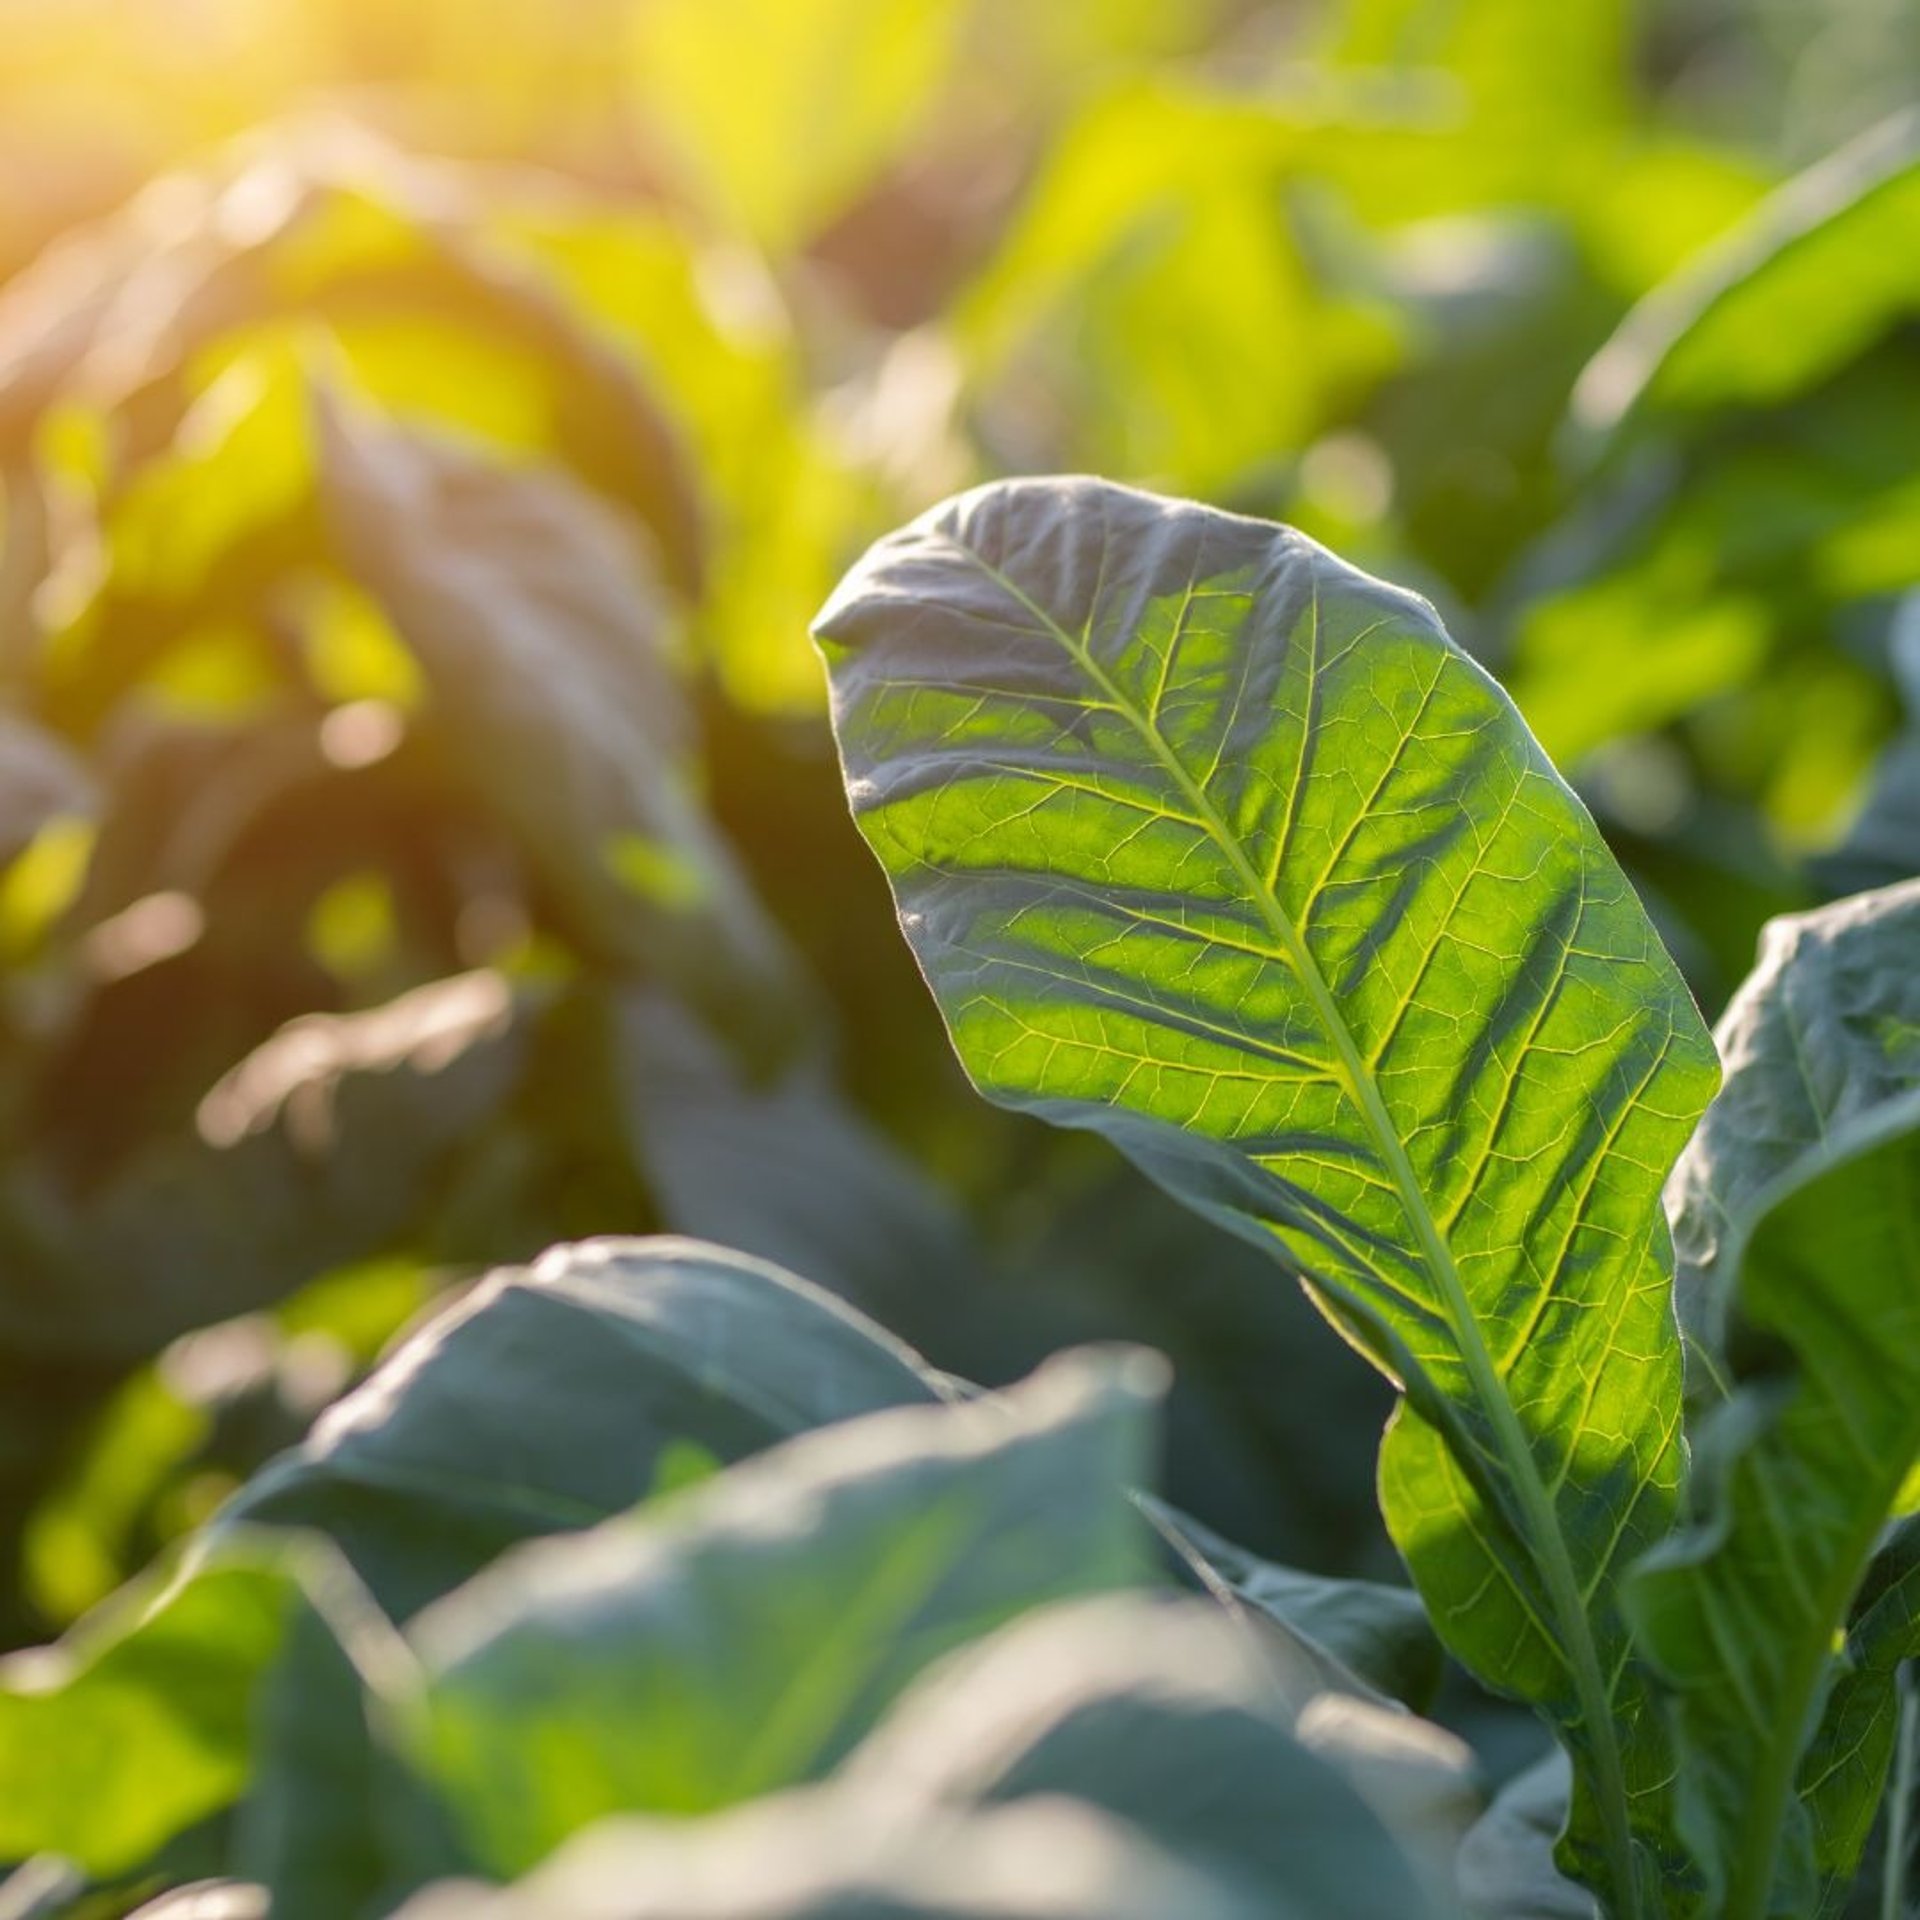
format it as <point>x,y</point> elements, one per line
<point>758,1626</point>
<point>1806,1175</point>
<point>1218,846</point>
<point>554,1396</point>
<point>1156,1724</point>
<point>1163,1715</point>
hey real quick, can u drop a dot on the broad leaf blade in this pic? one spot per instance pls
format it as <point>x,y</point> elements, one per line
<point>552,1397</point>
<point>758,1626</point>
<point>1218,846</point>
<point>1166,1717</point>
<point>1811,1163</point>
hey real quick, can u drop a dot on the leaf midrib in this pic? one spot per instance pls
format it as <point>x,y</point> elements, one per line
<point>1577,1647</point>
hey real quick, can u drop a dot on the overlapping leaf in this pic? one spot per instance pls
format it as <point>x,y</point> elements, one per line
<point>1166,1717</point>
<point>548,1400</point>
<point>827,1854</point>
<point>1800,1197</point>
<point>554,1396</point>
<point>1214,844</point>
<point>746,1637</point>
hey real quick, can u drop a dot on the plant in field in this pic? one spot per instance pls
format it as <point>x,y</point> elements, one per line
<point>1209,842</point>
<point>420,846</point>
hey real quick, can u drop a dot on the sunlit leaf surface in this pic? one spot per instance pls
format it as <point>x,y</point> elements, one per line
<point>1210,842</point>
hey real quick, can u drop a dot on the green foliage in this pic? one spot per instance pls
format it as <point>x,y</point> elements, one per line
<point>420,846</point>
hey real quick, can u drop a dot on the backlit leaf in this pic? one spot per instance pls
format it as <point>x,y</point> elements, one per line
<point>1213,844</point>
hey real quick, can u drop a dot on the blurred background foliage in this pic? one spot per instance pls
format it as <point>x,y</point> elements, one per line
<point>426,431</point>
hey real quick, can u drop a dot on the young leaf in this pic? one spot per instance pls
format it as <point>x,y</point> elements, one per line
<point>1844,1774</point>
<point>1817,272</point>
<point>1209,842</point>
<point>756,1627</point>
<point>1811,1173</point>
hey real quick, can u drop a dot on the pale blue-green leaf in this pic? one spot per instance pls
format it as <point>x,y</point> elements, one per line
<point>1505,1867</point>
<point>1377,1636</point>
<point>1162,1715</point>
<point>824,1853</point>
<point>547,1399</point>
<point>756,1626</point>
